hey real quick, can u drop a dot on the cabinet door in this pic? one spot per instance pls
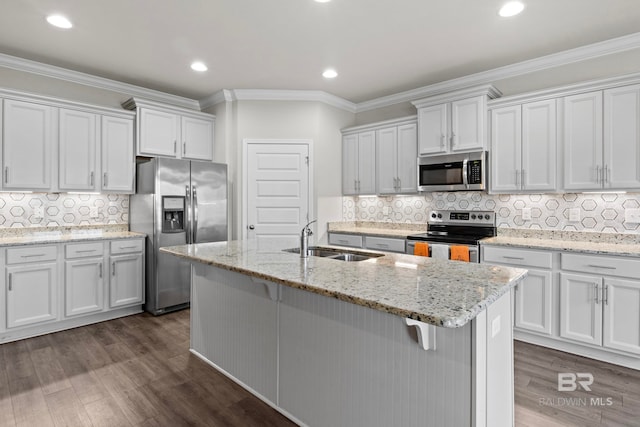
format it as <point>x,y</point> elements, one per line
<point>506,144</point>
<point>77,150</point>
<point>534,302</point>
<point>125,285</point>
<point>387,164</point>
<point>539,146</point>
<point>84,292</point>
<point>31,294</point>
<point>581,308</point>
<point>28,136</point>
<point>622,138</point>
<point>407,158</point>
<point>622,315</point>
<point>197,138</point>
<point>158,133</point>
<point>433,129</point>
<point>467,124</point>
<point>367,163</point>
<point>350,164</point>
<point>118,160</point>
<point>583,141</point>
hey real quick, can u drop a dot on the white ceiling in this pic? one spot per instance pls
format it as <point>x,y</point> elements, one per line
<point>379,47</point>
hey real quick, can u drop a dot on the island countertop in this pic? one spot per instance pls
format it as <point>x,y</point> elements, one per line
<point>439,292</point>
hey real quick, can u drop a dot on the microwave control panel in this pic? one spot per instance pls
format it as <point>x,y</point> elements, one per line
<point>475,172</point>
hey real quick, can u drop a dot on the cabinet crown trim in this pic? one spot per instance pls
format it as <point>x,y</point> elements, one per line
<point>383,124</point>
<point>135,103</point>
<point>488,90</point>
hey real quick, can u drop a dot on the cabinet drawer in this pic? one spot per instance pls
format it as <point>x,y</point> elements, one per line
<point>352,240</point>
<point>521,257</point>
<point>26,254</point>
<point>384,244</point>
<point>601,265</point>
<point>81,250</point>
<point>126,246</point>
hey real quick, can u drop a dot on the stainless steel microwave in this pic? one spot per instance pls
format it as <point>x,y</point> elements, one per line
<point>453,172</point>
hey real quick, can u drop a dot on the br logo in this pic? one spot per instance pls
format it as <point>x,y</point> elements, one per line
<point>568,381</point>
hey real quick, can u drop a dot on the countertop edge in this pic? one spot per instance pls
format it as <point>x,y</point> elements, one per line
<point>68,238</point>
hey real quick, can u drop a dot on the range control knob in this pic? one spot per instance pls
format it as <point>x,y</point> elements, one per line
<point>433,214</point>
<point>473,216</point>
<point>439,216</point>
<point>487,217</point>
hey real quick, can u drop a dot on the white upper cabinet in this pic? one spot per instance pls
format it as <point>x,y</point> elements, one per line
<point>523,147</point>
<point>197,138</point>
<point>118,160</point>
<point>602,140</point>
<point>168,131</point>
<point>28,135</point>
<point>396,153</point>
<point>77,150</point>
<point>621,153</point>
<point>453,122</point>
<point>359,163</point>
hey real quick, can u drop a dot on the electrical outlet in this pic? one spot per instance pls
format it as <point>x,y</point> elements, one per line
<point>574,215</point>
<point>93,212</point>
<point>386,210</point>
<point>38,212</point>
<point>526,214</point>
<point>632,216</point>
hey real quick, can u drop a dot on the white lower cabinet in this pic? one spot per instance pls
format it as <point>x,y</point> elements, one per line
<point>124,282</point>
<point>581,311</point>
<point>32,291</point>
<point>84,278</point>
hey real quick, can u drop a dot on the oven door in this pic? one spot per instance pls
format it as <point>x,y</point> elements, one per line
<point>474,250</point>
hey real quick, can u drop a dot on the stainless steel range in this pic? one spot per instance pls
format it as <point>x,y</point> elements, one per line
<point>455,228</point>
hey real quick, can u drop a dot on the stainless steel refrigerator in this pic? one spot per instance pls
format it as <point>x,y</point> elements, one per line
<point>177,202</point>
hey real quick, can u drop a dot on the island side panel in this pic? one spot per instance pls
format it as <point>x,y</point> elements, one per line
<point>234,324</point>
<point>345,364</point>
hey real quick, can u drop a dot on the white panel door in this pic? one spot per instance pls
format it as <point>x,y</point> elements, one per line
<point>197,138</point>
<point>506,144</point>
<point>433,129</point>
<point>367,163</point>
<point>583,141</point>
<point>622,138</point>
<point>580,308</point>
<point>159,133</point>
<point>84,291</point>
<point>118,159</point>
<point>77,150</point>
<point>467,124</point>
<point>28,135</point>
<point>126,281</point>
<point>539,146</point>
<point>387,160</point>
<point>277,191</point>
<point>534,302</point>
<point>622,315</point>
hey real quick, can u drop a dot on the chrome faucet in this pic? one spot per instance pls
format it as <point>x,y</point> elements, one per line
<point>304,240</point>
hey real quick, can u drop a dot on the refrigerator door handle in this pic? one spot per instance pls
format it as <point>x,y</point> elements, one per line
<point>188,208</point>
<point>195,214</point>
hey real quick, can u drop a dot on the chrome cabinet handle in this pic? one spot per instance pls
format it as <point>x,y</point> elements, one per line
<point>513,257</point>
<point>517,178</point>
<point>522,179</point>
<point>105,180</point>
<point>399,184</point>
<point>100,272</point>
<point>184,148</point>
<point>91,179</point>
<point>606,267</point>
<point>175,143</point>
<point>442,139</point>
<point>31,256</point>
<point>598,174</point>
<point>597,291</point>
<point>86,251</point>
<point>113,268</point>
<point>606,294</point>
<point>453,139</point>
<point>606,175</point>
<point>6,174</point>
<point>10,281</point>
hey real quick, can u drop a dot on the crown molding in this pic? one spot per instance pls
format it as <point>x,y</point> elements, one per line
<point>26,65</point>
<point>278,95</point>
<point>583,53</point>
<point>380,125</point>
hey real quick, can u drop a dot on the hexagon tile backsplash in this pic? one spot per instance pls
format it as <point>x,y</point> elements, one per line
<point>599,212</point>
<point>21,210</point>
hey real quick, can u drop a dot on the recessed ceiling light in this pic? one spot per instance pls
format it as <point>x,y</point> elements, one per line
<point>323,1</point>
<point>59,21</point>
<point>330,74</point>
<point>511,8</point>
<point>199,66</point>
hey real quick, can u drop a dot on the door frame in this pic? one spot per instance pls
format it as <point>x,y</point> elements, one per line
<point>245,175</point>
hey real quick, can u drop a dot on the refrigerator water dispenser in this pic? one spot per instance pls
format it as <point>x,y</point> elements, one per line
<point>173,214</point>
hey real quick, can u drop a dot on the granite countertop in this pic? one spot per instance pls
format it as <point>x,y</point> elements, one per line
<point>44,235</point>
<point>439,292</point>
<point>378,229</point>
<point>581,242</point>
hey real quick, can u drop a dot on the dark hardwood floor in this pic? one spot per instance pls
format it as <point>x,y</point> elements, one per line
<point>137,371</point>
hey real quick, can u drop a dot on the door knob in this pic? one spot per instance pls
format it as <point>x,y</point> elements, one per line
<point>251,227</point>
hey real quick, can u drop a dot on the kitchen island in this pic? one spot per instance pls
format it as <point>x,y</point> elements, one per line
<point>393,340</point>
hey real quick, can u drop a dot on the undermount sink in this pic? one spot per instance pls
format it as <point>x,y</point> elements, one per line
<point>337,254</point>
